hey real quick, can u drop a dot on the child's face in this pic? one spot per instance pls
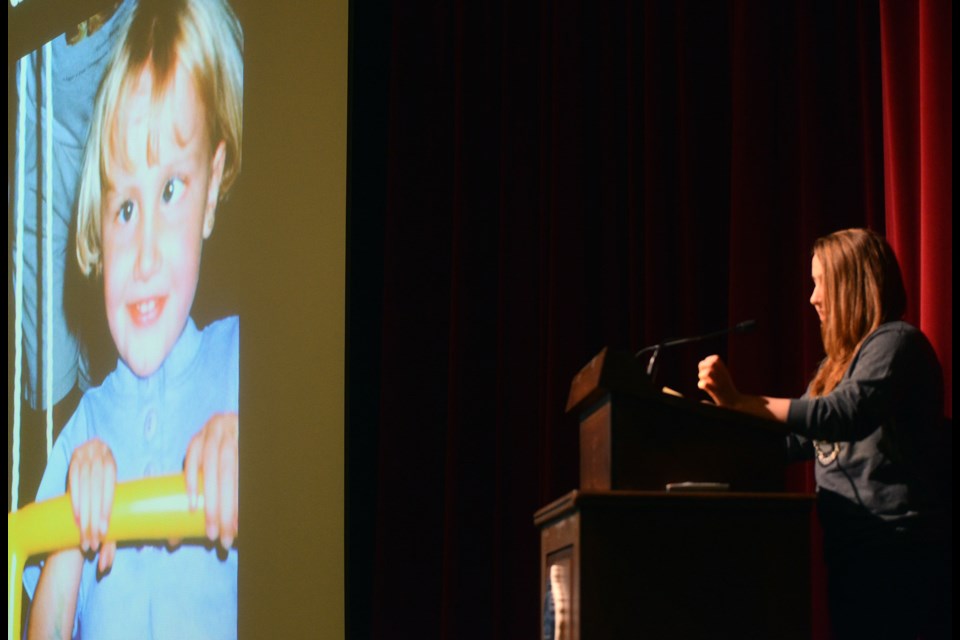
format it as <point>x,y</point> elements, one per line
<point>158,209</point>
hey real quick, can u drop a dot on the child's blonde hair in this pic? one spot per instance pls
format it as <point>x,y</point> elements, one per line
<point>202,35</point>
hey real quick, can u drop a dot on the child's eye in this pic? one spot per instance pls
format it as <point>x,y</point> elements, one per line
<point>126,212</point>
<point>172,190</point>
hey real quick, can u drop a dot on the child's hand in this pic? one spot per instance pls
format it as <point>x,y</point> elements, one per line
<point>91,480</point>
<point>213,452</point>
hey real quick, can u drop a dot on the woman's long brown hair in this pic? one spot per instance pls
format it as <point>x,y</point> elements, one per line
<point>863,288</point>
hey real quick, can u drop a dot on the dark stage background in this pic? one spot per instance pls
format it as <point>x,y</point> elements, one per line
<point>531,182</point>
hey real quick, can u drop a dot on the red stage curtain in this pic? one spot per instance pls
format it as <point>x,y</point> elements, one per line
<point>918,162</point>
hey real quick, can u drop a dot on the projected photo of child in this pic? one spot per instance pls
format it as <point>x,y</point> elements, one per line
<point>162,152</point>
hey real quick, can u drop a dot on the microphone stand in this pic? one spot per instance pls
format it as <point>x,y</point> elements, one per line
<point>741,327</point>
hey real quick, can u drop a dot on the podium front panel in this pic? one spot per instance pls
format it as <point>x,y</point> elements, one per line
<point>644,442</point>
<point>669,565</point>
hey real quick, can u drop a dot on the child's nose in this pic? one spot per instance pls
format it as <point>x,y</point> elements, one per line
<point>148,256</point>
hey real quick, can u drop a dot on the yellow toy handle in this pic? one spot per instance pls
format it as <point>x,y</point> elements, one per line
<point>146,509</point>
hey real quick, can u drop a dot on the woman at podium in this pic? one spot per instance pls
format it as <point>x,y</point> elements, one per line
<point>872,417</point>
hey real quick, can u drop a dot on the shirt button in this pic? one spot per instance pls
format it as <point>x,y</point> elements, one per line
<point>150,424</point>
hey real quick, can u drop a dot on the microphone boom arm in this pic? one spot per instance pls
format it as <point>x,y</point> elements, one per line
<point>740,327</point>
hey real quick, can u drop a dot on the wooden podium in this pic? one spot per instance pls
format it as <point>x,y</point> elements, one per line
<point>623,557</point>
<point>635,437</point>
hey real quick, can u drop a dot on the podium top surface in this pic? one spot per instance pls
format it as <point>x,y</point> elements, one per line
<point>576,500</point>
<point>608,371</point>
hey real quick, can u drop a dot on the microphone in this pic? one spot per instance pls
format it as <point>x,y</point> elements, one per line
<point>741,327</point>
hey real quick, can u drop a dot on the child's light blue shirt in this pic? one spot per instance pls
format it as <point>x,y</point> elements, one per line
<point>152,592</point>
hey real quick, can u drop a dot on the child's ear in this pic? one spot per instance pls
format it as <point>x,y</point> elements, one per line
<point>213,192</point>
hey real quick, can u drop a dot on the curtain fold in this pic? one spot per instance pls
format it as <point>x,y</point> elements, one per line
<point>918,163</point>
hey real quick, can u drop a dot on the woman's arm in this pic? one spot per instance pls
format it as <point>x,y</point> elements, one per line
<point>715,379</point>
<point>764,406</point>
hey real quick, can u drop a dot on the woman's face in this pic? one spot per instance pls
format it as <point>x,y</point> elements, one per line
<point>817,298</point>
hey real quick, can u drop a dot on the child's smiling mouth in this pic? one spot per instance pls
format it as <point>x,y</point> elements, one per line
<point>146,311</point>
